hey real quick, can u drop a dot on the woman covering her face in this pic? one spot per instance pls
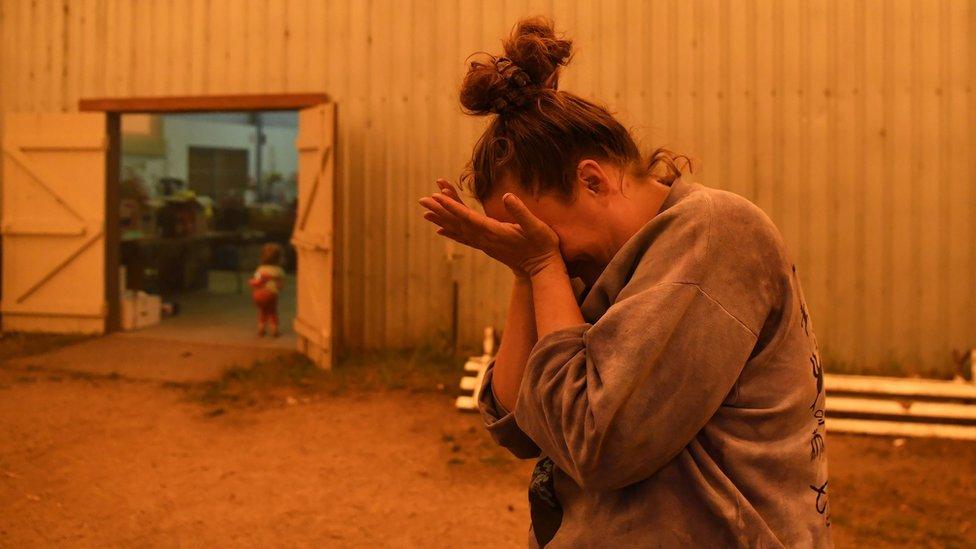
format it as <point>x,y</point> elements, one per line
<point>658,356</point>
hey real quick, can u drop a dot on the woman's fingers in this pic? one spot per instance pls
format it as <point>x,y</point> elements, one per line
<point>434,206</point>
<point>460,211</point>
<point>441,222</point>
<point>522,215</point>
<point>447,188</point>
<point>453,236</point>
<point>445,228</point>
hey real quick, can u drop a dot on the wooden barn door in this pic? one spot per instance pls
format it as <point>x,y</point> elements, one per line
<point>313,234</point>
<point>54,222</point>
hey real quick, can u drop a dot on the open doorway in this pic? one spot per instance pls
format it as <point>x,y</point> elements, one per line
<point>62,251</point>
<point>200,195</point>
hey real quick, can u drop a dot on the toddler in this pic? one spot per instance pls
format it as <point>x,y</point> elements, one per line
<point>268,280</point>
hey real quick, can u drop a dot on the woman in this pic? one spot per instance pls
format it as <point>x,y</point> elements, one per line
<point>678,399</point>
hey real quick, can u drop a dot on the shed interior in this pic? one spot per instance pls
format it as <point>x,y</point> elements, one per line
<point>199,195</point>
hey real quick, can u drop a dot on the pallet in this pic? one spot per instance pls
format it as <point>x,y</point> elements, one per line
<point>476,365</point>
<point>901,407</point>
<point>472,384</point>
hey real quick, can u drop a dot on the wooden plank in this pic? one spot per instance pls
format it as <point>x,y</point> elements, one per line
<point>933,245</point>
<point>127,49</point>
<point>39,141</point>
<point>165,65</point>
<point>469,40</point>
<point>373,202</point>
<point>686,87</point>
<point>275,67</point>
<point>71,52</point>
<point>324,40</point>
<point>902,217</point>
<point>350,277</point>
<point>35,53</point>
<point>201,103</point>
<point>82,68</point>
<point>16,79</point>
<point>870,66</point>
<point>48,75</point>
<point>971,73</point>
<point>585,41</point>
<point>107,40</point>
<point>199,67</point>
<point>649,133</point>
<point>444,162</point>
<point>891,428</point>
<point>422,45</point>
<point>236,48</point>
<point>564,14</point>
<point>763,105</point>
<point>68,309</point>
<point>295,58</point>
<point>112,161</point>
<point>36,227</point>
<point>8,72</point>
<point>711,102</point>
<point>388,153</point>
<point>143,27</point>
<point>899,386</point>
<point>220,47</point>
<point>805,254</point>
<point>787,116</point>
<point>253,35</point>
<point>607,47</point>
<point>958,55</point>
<point>633,87</point>
<point>316,54</point>
<point>844,278</point>
<point>868,80</point>
<point>907,408</point>
<point>817,167</point>
<point>740,81</point>
<point>358,90</point>
<point>7,59</point>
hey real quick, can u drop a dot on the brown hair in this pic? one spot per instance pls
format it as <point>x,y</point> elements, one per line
<point>271,254</point>
<point>540,133</point>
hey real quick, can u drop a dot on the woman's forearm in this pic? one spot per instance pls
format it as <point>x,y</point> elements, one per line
<point>553,300</point>
<point>517,343</point>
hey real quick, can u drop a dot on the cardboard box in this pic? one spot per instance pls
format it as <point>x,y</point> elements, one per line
<point>140,310</point>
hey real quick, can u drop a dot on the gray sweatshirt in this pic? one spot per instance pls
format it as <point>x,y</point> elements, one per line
<point>688,409</point>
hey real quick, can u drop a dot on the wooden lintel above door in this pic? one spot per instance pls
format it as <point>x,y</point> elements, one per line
<point>204,103</point>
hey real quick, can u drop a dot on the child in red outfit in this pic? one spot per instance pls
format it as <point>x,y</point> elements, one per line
<point>268,280</point>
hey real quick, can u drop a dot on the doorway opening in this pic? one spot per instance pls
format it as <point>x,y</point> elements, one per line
<point>210,295</point>
<point>200,195</point>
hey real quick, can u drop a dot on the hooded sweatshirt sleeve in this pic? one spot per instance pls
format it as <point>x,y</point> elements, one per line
<point>501,423</point>
<point>614,401</point>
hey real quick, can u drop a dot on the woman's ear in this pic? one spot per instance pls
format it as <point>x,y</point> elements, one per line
<point>591,177</point>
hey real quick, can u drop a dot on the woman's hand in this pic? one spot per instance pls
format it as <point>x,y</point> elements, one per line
<point>526,246</point>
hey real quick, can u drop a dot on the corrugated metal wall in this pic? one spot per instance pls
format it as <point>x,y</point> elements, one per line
<point>851,122</point>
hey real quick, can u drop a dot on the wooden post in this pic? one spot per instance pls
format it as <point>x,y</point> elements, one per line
<point>113,236</point>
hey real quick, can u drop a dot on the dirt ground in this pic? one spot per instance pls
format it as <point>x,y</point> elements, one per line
<point>289,457</point>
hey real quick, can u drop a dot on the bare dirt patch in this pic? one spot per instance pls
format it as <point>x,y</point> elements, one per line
<point>281,454</point>
<point>98,462</point>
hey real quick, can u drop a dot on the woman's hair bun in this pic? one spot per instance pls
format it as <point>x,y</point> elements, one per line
<point>502,84</point>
